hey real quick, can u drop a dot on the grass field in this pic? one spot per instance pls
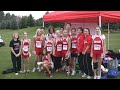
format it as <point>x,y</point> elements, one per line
<point>5,60</point>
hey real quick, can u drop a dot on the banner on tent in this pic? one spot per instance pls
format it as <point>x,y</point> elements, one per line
<point>91,26</point>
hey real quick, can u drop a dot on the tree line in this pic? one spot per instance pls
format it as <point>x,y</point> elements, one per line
<point>8,21</point>
<point>112,26</point>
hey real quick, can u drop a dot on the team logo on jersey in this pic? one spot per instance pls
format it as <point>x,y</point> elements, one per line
<point>49,49</point>
<point>64,42</point>
<point>38,44</point>
<point>97,41</point>
<point>65,47</point>
<point>59,47</point>
<point>25,48</point>
<point>97,47</point>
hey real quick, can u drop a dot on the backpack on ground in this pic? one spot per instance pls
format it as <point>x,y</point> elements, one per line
<point>11,70</point>
<point>112,73</point>
<point>113,68</point>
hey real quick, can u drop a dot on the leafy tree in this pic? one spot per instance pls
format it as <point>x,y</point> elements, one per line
<point>39,22</point>
<point>3,24</point>
<point>23,22</point>
<point>14,24</point>
<point>7,16</point>
<point>30,21</point>
<point>1,16</point>
<point>8,25</point>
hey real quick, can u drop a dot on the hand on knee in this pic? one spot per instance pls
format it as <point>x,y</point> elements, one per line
<point>44,65</point>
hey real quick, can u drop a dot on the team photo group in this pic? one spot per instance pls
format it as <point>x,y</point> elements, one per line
<point>58,50</point>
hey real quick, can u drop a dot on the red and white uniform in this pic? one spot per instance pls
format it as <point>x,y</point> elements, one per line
<point>58,47</point>
<point>38,45</point>
<point>87,41</point>
<point>80,42</point>
<point>45,58</point>
<point>97,48</point>
<point>74,44</point>
<point>49,44</point>
<point>25,49</point>
<point>64,47</point>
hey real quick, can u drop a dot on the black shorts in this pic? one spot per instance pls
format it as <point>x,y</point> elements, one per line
<point>74,55</point>
<point>52,57</point>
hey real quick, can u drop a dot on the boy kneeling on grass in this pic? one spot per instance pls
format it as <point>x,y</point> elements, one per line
<point>46,62</point>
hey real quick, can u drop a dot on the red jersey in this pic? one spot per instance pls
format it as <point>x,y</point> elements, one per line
<point>65,47</point>
<point>25,47</point>
<point>65,44</point>
<point>58,47</point>
<point>80,42</point>
<point>87,41</point>
<point>45,58</point>
<point>38,45</point>
<point>97,44</point>
<point>49,46</point>
<point>74,44</point>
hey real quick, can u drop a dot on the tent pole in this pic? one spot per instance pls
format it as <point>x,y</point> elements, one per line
<point>100,21</point>
<point>43,23</point>
<point>108,36</point>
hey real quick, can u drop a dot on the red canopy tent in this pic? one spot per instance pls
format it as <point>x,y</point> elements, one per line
<point>84,17</point>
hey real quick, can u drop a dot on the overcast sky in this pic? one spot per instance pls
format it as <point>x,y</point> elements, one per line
<point>35,14</point>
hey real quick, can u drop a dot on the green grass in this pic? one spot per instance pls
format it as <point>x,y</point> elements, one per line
<point>5,58</point>
<point>114,43</point>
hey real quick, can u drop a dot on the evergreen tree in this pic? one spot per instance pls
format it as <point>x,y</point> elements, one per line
<point>30,21</point>
<point>7,16</point>
<point>23,22</point>
<point>3,24</point>
<point>39,22</point>
<point>14,24</point>
<point>1,16</point>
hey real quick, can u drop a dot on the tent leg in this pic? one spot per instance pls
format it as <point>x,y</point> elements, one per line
<point>108,36</point>
<point>100,21</point>
<point>43,23</point>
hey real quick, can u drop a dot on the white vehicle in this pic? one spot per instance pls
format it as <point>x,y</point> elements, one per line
<point>1,41</point>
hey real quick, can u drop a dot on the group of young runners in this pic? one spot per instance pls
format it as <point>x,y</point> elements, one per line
<point>58,50</point>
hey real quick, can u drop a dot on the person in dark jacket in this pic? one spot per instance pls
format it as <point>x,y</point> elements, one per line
<point>15,47</point>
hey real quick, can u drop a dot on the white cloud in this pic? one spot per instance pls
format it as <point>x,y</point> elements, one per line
<point>35,14</point>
